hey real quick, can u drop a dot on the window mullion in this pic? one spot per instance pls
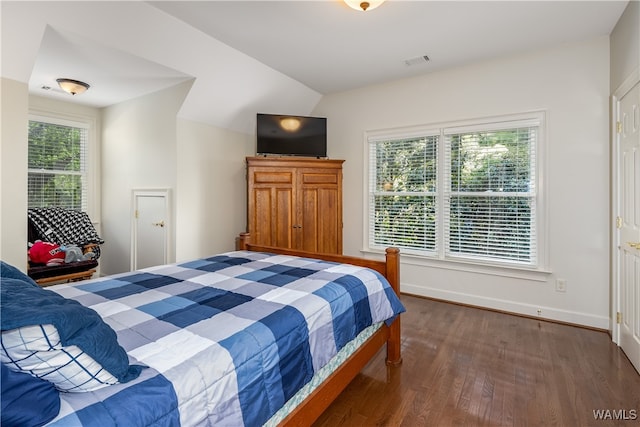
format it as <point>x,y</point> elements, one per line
<point>444,185</point>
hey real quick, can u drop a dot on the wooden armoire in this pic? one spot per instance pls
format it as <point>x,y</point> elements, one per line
<point>295,202</point>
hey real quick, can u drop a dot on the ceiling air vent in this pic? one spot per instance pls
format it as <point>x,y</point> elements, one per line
<point>416,61</point>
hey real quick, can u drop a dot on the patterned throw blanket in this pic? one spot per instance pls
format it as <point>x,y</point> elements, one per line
<point>228,339</point>
<point>64,227</point>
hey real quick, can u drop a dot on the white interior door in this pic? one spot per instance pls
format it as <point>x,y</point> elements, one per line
<point>628,242</point>
<point>150,228</point>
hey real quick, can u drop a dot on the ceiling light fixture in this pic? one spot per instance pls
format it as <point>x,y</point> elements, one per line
<point>290,124</point>
<point>74,87</point>
<point>363,6</point>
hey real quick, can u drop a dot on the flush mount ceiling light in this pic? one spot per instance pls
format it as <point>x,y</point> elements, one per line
<point>290,124</point>
<point>363,6</point>
<point>74,87</point>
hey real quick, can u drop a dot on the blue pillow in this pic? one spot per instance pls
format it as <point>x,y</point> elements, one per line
<point>27,400</point>
<point>56,326</point>
<point>8,271</point>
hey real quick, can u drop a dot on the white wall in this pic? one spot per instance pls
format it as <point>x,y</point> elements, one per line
<point>211,191</point>
<point>570,83</point>
<point>146,146</point>
<point>625,46</point>
<point>139,151</point>
<point>13,173</point>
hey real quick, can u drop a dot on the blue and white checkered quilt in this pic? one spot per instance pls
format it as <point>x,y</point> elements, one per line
<point>228,339</point>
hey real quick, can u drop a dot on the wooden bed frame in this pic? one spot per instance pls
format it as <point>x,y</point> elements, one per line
<point>320,399</point>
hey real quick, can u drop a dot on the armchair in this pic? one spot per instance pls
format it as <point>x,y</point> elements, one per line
<point>64,227</point>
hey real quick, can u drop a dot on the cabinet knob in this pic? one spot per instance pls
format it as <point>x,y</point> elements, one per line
<point>297,226</point>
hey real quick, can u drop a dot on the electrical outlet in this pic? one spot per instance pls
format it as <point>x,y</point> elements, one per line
<point>561,285</point>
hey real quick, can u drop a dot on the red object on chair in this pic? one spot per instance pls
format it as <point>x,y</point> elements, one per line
<point>46,253</point>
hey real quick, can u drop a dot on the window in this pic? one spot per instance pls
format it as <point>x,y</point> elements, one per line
<point>463,192</point>
<point>57,165</point>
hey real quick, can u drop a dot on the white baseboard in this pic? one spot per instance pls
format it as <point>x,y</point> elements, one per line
<point>514,307</point>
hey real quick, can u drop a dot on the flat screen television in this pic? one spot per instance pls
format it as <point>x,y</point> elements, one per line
<point>291,135</point>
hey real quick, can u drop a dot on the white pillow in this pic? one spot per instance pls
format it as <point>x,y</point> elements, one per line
<point>37,350</point>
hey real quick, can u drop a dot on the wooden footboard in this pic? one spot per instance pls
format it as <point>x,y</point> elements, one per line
<point>311,408</point>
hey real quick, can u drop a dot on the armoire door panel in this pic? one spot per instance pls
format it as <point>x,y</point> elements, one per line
<point>328,221</point>
<point>282,218</point>
<point>321,221</point>
<point>309,220</point>
<point>273,177</point>
<point>319,178</point>
<point>260,220</point>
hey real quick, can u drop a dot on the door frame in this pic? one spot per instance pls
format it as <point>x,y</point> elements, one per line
<point>616,303</point>
<point>164,193</point>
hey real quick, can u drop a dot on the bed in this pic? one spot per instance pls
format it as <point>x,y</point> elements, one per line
<point>256,336</point>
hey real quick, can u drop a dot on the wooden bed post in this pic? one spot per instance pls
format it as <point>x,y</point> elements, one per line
<point>242,240</point>
<point>394,356</point>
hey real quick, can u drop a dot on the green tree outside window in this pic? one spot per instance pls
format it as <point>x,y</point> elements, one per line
<point>56,170</point>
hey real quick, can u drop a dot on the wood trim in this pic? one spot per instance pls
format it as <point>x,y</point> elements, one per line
<point>71,277</point>
<point>320,399</point>
<point>299,162</point>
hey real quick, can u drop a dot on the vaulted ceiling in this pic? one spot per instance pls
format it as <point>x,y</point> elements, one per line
<point>270,56</point>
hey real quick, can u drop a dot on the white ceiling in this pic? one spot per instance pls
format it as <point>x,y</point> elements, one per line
<point>331,48</point>
<point>270,56</point>
<point>114,75</point>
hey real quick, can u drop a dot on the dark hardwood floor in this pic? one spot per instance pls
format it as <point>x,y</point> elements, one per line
<point>470,367</point>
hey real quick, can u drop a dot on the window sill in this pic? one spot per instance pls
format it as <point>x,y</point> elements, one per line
<point>517,272</point>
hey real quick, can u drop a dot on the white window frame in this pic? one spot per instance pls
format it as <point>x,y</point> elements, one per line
<point>92,204</point>
<point>439,259</point>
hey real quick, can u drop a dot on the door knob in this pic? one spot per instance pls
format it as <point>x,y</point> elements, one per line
<point>158,224</point>
<point>634,245</point>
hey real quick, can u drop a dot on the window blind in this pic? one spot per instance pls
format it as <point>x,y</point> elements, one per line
<point>403,192</point>
<point>57,165</point>
<point>490,194</point>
